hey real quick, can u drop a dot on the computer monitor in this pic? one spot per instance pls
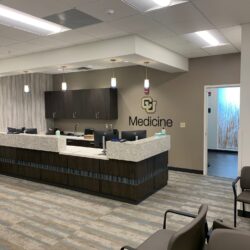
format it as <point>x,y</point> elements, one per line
<point>131,135</point>
<point>89,131</point>
<point>31,131</point>
<point>98,135</point>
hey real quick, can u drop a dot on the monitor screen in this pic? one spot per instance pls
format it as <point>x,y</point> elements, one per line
<point>109,135</point>
<point>131,135</point>
<point>89,131</point>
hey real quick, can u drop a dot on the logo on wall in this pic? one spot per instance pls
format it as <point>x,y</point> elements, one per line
<point>148,104</point>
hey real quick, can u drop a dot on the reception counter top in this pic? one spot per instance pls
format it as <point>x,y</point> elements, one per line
<point>138,150</point>
<point>49,143</point>
<point>94,153</point>
<point>134,151</point>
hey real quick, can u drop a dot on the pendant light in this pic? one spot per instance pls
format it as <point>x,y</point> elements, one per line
<point>146,81</point>
<point>26,87</point>
<point>113,79</point>
<point>64,83</point>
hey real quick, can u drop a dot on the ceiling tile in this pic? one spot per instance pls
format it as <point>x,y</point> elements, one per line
<point>47,43</point>
<point>183,18</point>
<point>102,31</point>
<point>73,37</point>
<point>157,33</point>
<point>41,8</point>
<point>135,24</point>
<point>225,49</point>
<point>190,26</point>
<point>225,13</point>
<point>99,9</point>
<point>17,35</point>
<point>4,41</point>
<point>195,53</point>
<point>233,34</point>
<point>6,52</point>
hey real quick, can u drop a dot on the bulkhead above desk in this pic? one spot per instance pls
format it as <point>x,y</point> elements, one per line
<point>140,150</point>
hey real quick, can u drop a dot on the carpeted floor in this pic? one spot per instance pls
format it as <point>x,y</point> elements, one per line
<point>36,216</point>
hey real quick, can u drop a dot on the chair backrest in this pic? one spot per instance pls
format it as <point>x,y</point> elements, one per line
<point>193,235</point>
<point>229,240</point>
<point>245,178</point>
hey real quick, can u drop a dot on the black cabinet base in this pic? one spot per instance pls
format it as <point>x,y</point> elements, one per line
<point>121,180</point>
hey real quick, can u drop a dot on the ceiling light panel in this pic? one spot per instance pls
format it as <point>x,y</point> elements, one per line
<point>23,21</point>
<point>206,38</point>
<point>150,5</point>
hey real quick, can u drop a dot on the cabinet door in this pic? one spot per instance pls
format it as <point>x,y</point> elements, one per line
<point>53,104</point>
<point>49,105</point>
<point>113,105</point>
<point>98,103</point>
<point>58,104</point>
<point>66,104</point>
<point>79,103</point>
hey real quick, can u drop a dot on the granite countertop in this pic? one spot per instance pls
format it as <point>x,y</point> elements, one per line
<point>134,151</point>
<point>94,153</point>
<point>50,143</point>
<point>138,150</point>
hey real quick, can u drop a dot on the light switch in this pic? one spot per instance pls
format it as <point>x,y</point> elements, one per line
<point>182,125</point>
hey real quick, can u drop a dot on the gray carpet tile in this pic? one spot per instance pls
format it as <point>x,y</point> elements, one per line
<point>36,216</point>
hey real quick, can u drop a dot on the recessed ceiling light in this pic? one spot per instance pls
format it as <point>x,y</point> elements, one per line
<point>163,3</point>
<point>208,37</point>
<point>23,21</point>
<point>150,5</point>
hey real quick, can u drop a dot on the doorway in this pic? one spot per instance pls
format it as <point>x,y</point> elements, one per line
<point>221,126</point>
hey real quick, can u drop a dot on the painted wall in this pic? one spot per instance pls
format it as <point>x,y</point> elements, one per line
<point>244,132</point>
<point>212,136</point>
<point>19,109</point>
<point>179,97</point>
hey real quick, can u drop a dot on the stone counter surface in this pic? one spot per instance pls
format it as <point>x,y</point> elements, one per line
<point>133,151</point>
<point>86,152</point>
<point>136,151</point>
<point>50,143</point>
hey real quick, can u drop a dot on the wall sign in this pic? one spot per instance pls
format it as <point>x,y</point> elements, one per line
<point>148,104</point>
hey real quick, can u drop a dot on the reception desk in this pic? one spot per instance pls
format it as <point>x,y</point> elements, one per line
<point>130,171</point>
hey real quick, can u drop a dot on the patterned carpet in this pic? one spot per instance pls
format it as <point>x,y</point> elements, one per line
<point>36,216</point>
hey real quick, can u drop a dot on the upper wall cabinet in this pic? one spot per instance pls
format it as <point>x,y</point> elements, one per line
<point>82,104</point>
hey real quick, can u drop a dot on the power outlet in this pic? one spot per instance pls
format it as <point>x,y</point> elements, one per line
<point>182,125</point>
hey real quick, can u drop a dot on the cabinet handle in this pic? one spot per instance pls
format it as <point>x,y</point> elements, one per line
<point>54,114</point>
<point>74,114</point>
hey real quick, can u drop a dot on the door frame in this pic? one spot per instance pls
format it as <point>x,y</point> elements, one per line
<point>205,122</point>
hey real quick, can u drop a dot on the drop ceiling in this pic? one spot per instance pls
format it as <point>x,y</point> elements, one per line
<point>167,27</point>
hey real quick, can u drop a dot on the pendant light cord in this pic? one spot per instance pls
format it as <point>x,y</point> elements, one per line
<point>63,74</point>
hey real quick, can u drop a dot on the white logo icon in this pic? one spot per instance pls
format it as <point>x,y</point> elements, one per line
<point>148,104</point>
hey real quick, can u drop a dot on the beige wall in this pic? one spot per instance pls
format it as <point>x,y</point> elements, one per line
<point>179,97</point>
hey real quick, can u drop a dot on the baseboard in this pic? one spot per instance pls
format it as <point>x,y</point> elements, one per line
<point>186,170</point>
<point>240,213</point>
<point>223,151</point>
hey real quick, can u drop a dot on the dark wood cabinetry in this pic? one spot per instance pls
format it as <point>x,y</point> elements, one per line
<point>129,181</point>
<point>82,104</point>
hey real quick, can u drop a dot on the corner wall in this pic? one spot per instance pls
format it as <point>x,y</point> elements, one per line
<point>179,97</point>
<point>244,132</point>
